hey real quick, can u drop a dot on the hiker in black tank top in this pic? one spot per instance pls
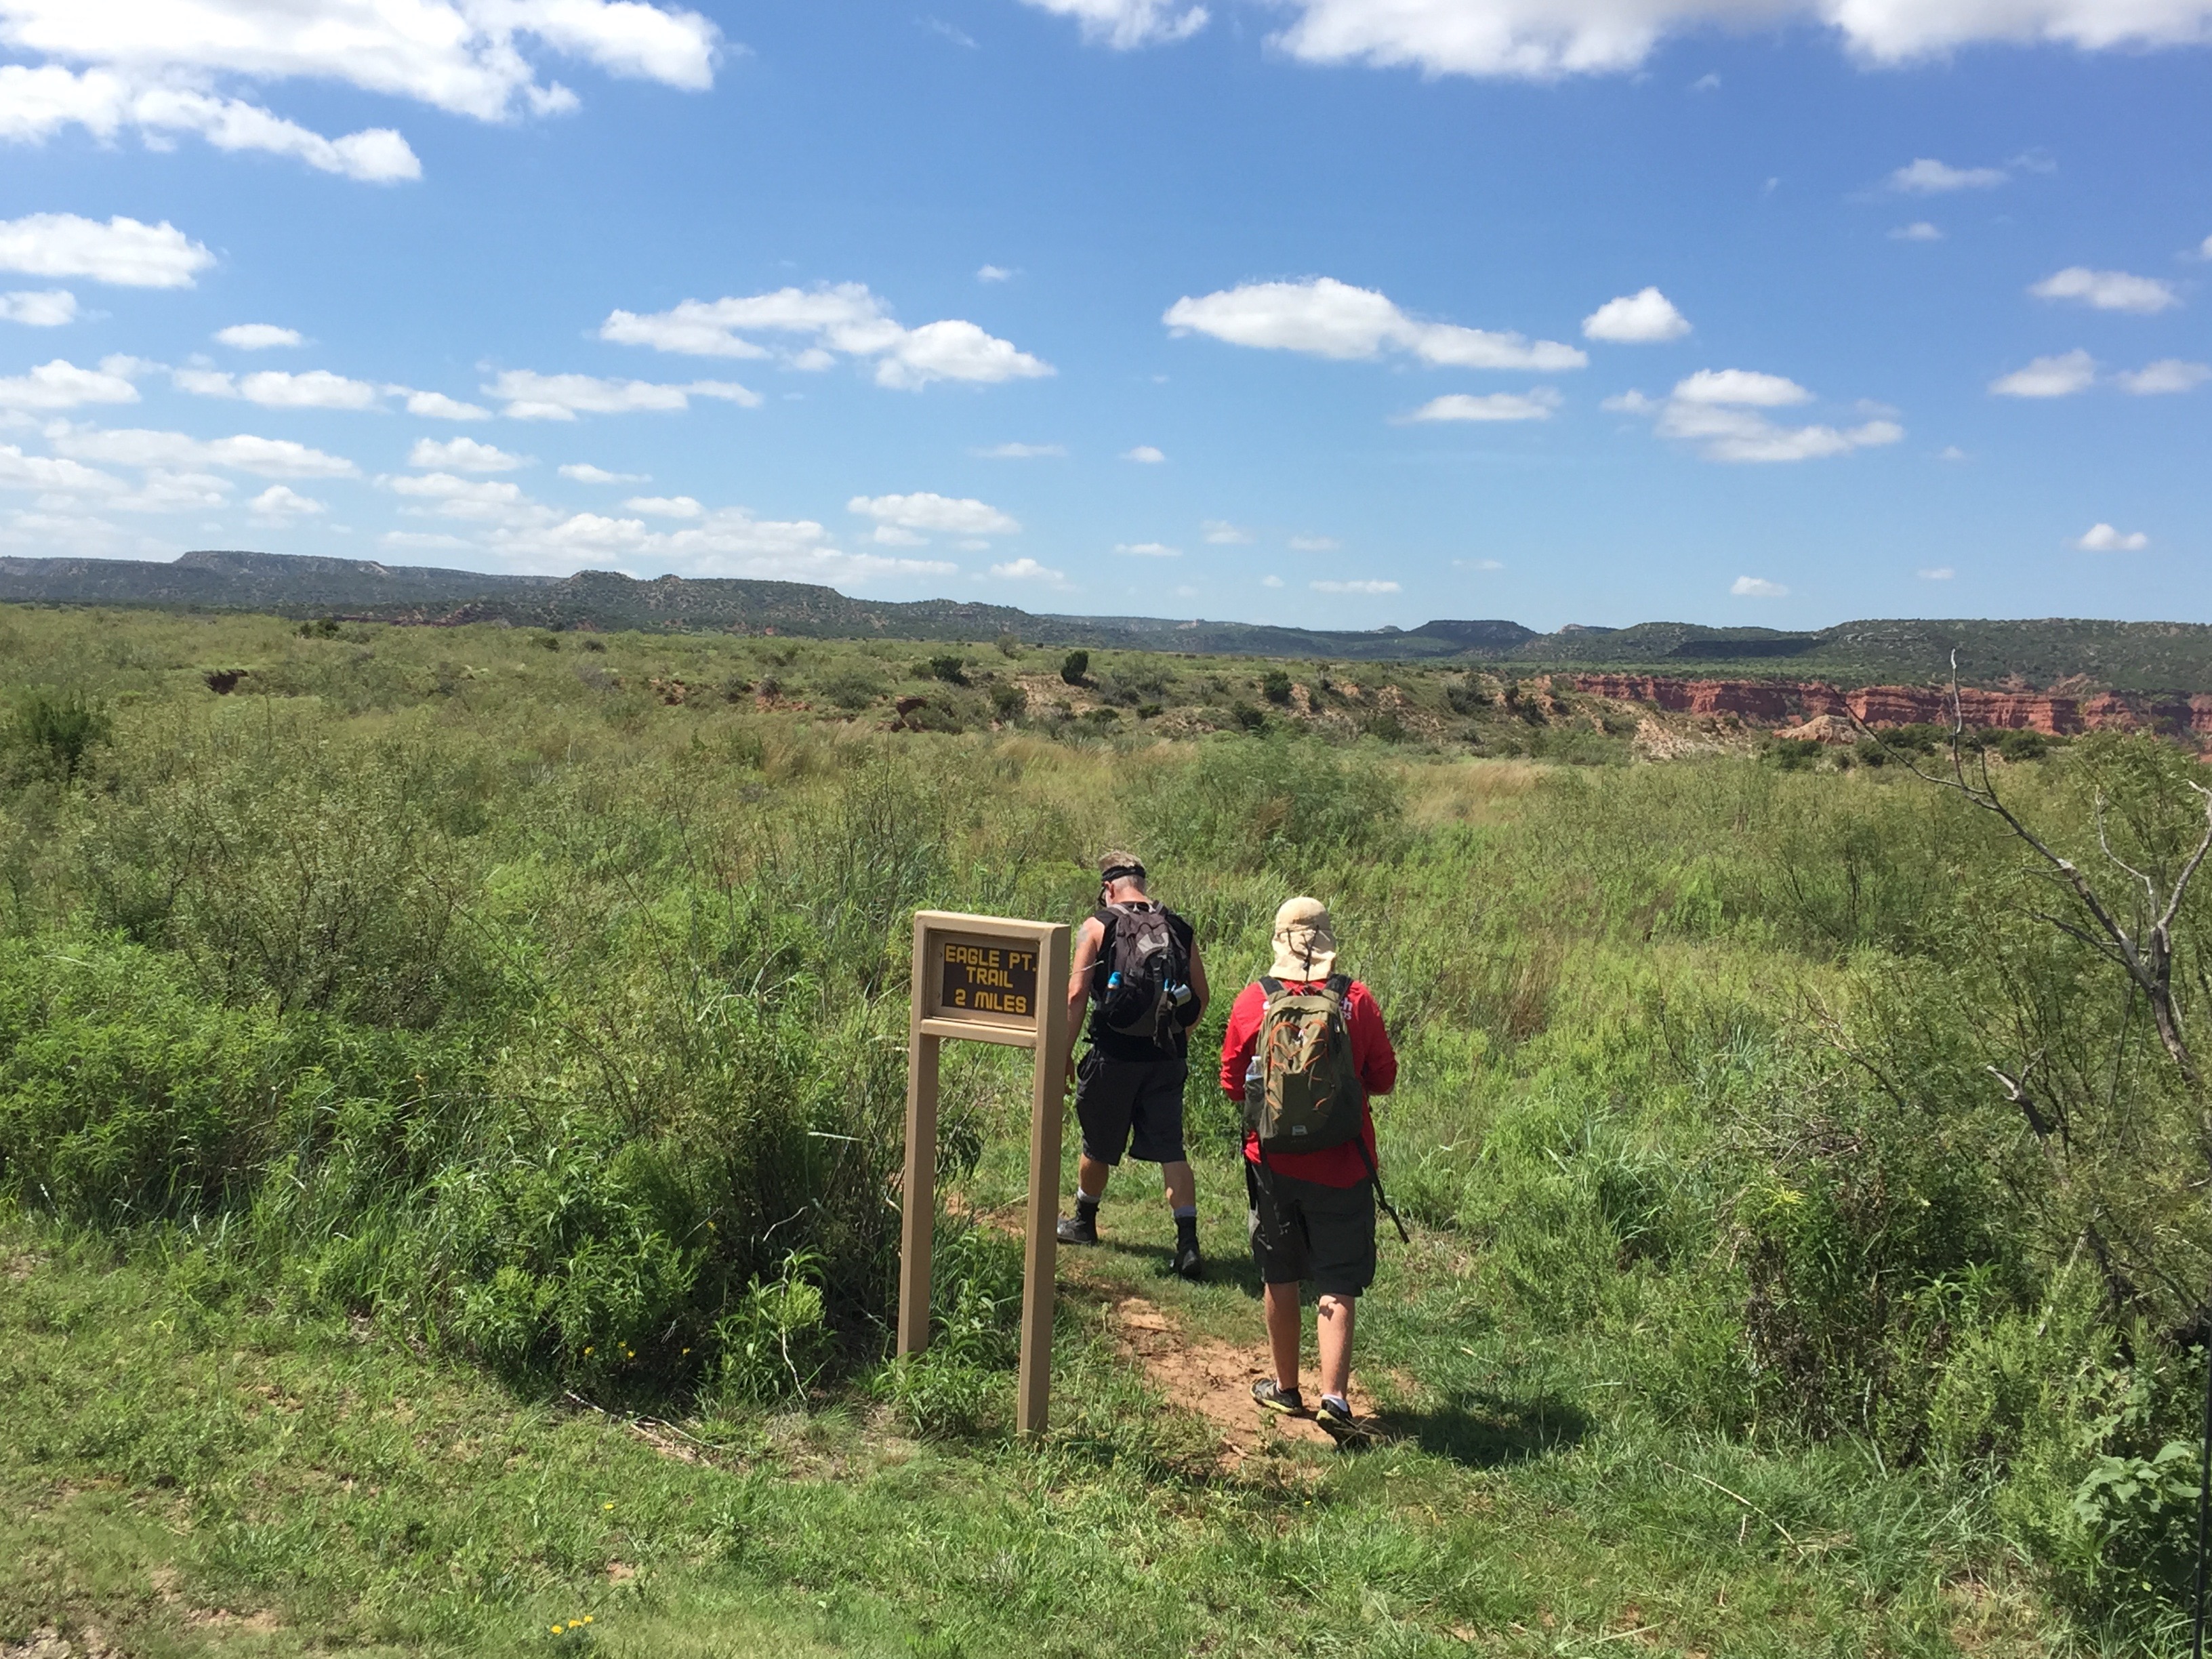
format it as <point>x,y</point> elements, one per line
<point>1137,968</point>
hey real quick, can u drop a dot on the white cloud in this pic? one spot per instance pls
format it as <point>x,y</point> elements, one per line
<point>1123,24</point>
<point>2108,290</point>
<point>1941,573</point>
<point>277,504</point>
<point>437,406</point>
<point>62,384</point>
<point>1928,177</point>
<point>1918,231</point>
<point>666,507</point>
<point>723,542</point>
<point>845,319</point>
<point>1480,564</point>
<point>1739,387</point>
<point>1742,435</point>
<point>258,336</point>
<point>1018,452</point>
<point>1222,533</point>
<point>1709,81</point>
<point>122,252</point>
<point>267,458</point>
<point>1325,317</point>
<point>1354,587</point>
<point>993,274</point>
<point>1536,405</point>
<point>1544,39</point>
<point>1951,453</point>
<point>1270,581</point>
<point>1640,318</point>
<point>2204,250</point>
<point>1629,403</point>
<point>36,102</point>
<point>462,455</point>
<point>1028,570</point>
<point>1144,455</point>
<point>963,516</point>
<point>465,58</point>
<point>485,500</point>
<point>45,472</point>
<point>532,396</point>
<point>889,535</point>
<point>585,473</point>
<point>39,308</point>
<point>2167,374</point>
<point>2048,377</point>
<point>2103,539</point>
<point>274,388</point>
<point>1757,587</point>
<point>1147,550</point>
<point>1314,544</point>
<point>1719,409</point>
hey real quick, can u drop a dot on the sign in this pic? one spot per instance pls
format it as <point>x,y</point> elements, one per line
<point>988,979</point>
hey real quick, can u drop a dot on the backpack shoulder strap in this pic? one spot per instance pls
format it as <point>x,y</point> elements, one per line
<point>1270,986</point>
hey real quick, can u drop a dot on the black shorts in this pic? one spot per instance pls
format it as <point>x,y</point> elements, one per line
<point>1130,1105</point>
<point>1302,1230</point>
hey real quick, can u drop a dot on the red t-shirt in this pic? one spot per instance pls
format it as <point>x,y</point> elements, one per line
<point>1371,1052</point>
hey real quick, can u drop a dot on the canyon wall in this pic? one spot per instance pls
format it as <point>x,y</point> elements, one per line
<point>1786,702</point>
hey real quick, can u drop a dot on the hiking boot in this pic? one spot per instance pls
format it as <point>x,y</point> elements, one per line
<point>1081,1228</point>
<point>1188,1263</point>
<point>1340,1425</point>
<point>1270,1397</point>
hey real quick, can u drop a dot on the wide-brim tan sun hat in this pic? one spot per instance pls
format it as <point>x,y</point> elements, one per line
<point>1305,943</point>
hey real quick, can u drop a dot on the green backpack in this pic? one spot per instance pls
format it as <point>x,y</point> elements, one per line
<point>1309,1096</point>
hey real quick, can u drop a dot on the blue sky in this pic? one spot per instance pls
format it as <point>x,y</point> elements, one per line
<point>1292,310</point>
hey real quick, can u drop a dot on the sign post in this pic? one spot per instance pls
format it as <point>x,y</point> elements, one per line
<point>988,979</point>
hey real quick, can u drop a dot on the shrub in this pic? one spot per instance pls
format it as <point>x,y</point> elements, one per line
<point>1008,701</point>
<point>855,688</point>
<point>1276,687</point>
<point>948,668</point>
<point>55,731</point>
<point>1281,805</point>
<point>1074,666</point>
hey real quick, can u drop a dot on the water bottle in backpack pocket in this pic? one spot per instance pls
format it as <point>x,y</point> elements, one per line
<point>1145,993</point>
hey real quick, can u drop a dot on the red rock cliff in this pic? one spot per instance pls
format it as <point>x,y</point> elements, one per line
<point>1778,703</point>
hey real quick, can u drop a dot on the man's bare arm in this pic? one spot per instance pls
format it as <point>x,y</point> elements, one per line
<point>1088,938</point>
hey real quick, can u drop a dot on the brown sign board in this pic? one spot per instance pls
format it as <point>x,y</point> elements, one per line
<point>988,979</point>
<point>994,979</point>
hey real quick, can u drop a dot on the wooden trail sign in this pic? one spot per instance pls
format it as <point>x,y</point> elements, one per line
<point>987,979</point>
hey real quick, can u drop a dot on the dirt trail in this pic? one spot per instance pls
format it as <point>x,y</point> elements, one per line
<point>1212,1378</point>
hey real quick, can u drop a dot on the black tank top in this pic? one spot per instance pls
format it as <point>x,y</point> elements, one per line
<point>1116,1045</point>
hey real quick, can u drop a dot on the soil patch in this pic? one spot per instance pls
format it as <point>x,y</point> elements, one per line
<point>1213,1379</point>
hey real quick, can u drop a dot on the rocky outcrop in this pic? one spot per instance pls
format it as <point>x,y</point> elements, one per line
<point>1794,702</point>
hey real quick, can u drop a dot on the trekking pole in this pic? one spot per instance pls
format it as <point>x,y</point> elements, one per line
<point>2204,1499</point>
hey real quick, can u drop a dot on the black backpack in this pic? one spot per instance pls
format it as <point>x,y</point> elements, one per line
<point>1141,982</point>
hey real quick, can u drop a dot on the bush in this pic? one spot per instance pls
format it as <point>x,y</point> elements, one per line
<point>1007,701</point>
<point>948,668</point>
<point>1284,806</point>
<point>856,688</point>
<point>55,731</point>
<point>1074,666</point>
<point>1276,687</point>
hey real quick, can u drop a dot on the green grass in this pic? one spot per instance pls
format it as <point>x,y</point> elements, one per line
<point>436,1026</point>
<point>180,1446</point>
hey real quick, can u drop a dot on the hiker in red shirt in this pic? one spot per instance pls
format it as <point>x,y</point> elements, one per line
<point>1304,1049</point>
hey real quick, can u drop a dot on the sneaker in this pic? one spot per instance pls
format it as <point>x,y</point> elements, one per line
<point>1340,1425</point>
<point>1270,1397</point>
<point>1078,1229</point>
<point>1188,1263</point>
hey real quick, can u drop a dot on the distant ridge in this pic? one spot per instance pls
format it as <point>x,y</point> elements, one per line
<point>2062,653</point>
